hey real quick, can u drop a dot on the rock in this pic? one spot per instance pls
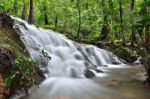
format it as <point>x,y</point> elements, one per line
<point>89,74</point>
<point>138,61</point>
<point>99,71</point>
<point>105,65</point>
<point>115,63</point>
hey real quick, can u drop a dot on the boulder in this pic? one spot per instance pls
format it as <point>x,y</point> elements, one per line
<point>89,73</point>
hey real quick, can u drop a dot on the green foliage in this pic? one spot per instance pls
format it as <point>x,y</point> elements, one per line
<point>63,15</point>
<point>144,13</point>
<point>2,8</point>
<point>22,73</point>
<point>6,40</point>
<point>125,53</point>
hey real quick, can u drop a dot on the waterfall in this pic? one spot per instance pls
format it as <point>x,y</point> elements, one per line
<point>63,61</point>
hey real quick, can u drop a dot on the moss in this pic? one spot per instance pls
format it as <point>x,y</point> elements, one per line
<point>17,70</point>
<point>125,53</point>
<point>21,72</point>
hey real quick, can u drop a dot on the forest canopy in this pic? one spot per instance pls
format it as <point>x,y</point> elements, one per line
<point>86,19</point>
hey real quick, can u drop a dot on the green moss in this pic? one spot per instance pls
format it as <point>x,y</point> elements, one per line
<point>23,70</point>
<point>125,53</point>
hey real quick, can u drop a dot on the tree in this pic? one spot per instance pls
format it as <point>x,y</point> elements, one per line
<point>45,12</point>
<point>121,19</point>
<point>132,22</point>
<point>31,12</point>
<point>105,28</point>
<point>144,42</point>
<point>79,17</point>
<point>24,10</point>
<point>146,22</point>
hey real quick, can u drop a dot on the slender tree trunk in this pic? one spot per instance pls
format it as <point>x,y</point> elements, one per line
<point>24,10</point>
<point>143,44</point>
<point>147,39</point>
<point>121,20</point>
<point>144,54</point>
<point>56,21</point>
<point>113,18</point>
<point>79,19</point>
<point>31,12</point>
<point>147,29</point>
<point>45,14</point>
<point>105,29</point>
<point>132,22</point>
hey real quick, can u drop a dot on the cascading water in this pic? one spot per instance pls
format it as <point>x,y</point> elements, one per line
<point>65,71</point>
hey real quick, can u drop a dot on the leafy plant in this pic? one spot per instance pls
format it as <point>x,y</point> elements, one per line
<point>6,40</point>
<point>22,73</point>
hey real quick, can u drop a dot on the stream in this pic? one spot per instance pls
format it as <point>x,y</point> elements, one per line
<point>125,82</point>
<point>75,71</point>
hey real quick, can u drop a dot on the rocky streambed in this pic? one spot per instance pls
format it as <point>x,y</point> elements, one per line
<point>123,82</point>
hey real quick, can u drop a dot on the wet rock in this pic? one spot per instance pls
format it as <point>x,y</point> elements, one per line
<point>89,74</point>
<point>41,73</point>
<point>99,71</point>
<point>138,61</point>
<point>115,63</point>
<point>105,65</point>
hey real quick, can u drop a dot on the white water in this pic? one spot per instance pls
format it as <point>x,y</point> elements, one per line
<point>65,70</point>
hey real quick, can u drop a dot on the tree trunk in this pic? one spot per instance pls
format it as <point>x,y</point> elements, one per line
<point>79,19</point>
<point>31,12</point>
<point>121,20</point>
<point>45,14</point>
<point>144,54</point>
<point>147,29</point>
<point>24,10</point>
<point>147,37</point>
<point>113,18</point>
<point>105,29</point>
<point>144,49</point>
<point>105,32</point>
<point>132,22</point>
<point>56,21</point>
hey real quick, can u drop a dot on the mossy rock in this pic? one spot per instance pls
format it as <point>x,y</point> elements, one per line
<point>126,53</point>
<point>17,69</point>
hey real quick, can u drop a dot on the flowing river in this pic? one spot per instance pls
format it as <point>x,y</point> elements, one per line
<point>67,65</point>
